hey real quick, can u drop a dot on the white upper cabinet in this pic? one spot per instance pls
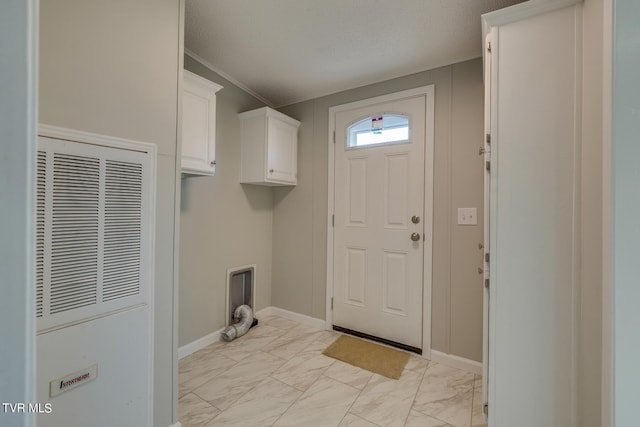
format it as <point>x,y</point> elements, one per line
<point>269,148</point>
<point>198,125</point>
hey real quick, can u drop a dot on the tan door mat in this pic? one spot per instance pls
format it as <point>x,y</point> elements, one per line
<point>367,355</point>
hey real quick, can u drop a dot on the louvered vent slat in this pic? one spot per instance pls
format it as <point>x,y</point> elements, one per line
<point>93,232</point>
<point>74,238</point>
<point>123,224</point>
<point>40,210</point>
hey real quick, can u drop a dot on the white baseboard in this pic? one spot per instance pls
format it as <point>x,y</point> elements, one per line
<point>267,311</point>
<point>297,317</point>
<point>199,344</point>
<point>213,337</point>
<point>176,424</point>
<point>456,362</point>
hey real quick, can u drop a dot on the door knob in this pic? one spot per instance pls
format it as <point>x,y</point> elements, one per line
<point>415,236</point>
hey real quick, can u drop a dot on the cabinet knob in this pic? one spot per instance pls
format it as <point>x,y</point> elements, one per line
<point>270,170</point>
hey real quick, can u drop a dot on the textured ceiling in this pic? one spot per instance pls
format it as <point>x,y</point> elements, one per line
<point>286,51</point>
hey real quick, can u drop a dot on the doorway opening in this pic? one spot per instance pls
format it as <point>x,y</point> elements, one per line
<point>380,218</point>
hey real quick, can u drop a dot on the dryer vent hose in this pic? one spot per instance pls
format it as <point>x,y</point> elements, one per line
<point>243,315</point>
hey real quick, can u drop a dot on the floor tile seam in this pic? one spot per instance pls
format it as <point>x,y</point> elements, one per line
<point>235,402</point>
<point>239,347</point>
<point>217,355</point>
<point>291,404</point>
<point>358,416</point>
<point>473,399</point>
<point>208,403</point>
<point>212,378</point>
<point>316,339</point>
<point>434,417</point>
<point>279,357</point>
<point>285,411</point>
<point>423,369</point>
<point>253,388</point>
<point>251,363</point>
<point>282,382</point>
<point>294,339</point>
<point>204,423</point>
<point>415,393</point>
<point>360,391</point>
<point>290,385</point>
<point>341,382</point>
<point>210,419</point>
<point>221,410</point>
<point>322,374</point>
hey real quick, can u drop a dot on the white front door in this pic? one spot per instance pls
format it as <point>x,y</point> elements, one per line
<point>379,230</point>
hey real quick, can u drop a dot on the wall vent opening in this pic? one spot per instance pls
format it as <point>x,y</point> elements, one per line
<point>94,225</point>
<point>240,290</point>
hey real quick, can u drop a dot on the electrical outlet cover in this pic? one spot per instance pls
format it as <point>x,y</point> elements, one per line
<point>467,216</point>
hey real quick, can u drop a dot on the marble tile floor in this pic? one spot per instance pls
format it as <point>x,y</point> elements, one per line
<point>276,375</point>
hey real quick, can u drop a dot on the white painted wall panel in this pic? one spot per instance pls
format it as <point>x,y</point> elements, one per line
<point>534,196</point>
<point>119,396</point>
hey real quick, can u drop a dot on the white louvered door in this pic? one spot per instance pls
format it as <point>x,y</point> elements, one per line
<point>94,275</point>
<point>90,233</point>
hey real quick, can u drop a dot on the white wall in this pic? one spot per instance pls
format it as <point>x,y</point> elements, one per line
<point>18,124</point>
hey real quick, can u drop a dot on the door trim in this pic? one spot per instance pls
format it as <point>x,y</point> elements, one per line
<point>428,92</point>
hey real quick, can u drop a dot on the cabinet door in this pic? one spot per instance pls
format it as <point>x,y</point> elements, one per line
<point>282,151</point>
<point>198,126</point>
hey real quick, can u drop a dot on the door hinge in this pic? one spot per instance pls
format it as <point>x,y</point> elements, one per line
<point>334,136</point>
<point>333,220</point>
<point>488,46</point>
<point>486,283</point>
<point>485,409</point>
<point>487,138</point>
<point>487,165</point>
<point>486,257</point>
<point>331,303</point>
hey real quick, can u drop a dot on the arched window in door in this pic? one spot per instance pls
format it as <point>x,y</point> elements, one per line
<point>379,129</point>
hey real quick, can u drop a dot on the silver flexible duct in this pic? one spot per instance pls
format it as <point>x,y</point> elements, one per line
<point>243,315</point>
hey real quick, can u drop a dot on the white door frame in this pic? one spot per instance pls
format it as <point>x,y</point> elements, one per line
<point>428,92</point>
<point>19,123</point>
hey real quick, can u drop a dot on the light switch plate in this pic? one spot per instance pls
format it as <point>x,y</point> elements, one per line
<point>467,216</point>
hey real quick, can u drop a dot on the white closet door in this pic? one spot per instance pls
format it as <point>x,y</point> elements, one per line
<point>535,95</point>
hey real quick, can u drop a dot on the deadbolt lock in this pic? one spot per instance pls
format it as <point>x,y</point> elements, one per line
<point>415,219</point>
